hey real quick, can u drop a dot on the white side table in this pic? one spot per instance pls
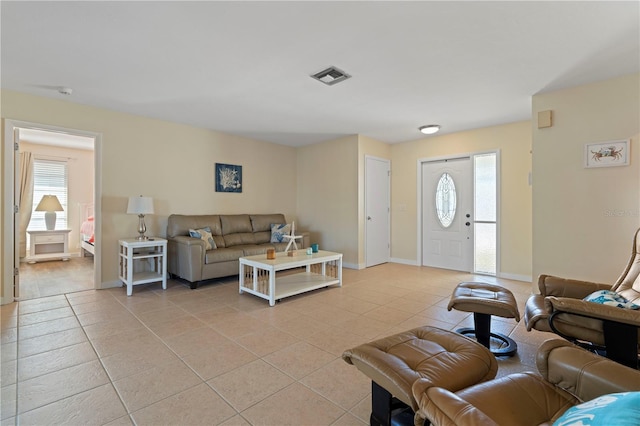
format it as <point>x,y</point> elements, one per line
<point>48,245</point>
<point>143,262</point>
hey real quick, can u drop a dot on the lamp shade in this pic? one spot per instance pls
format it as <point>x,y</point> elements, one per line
<point>140,205</point>
<point>49,203</point>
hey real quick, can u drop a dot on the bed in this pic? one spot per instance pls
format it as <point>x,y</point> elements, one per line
<point>87,236</point>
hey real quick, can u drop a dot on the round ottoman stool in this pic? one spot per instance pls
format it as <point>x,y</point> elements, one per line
<point>484,300</point>
<point>444,358</point>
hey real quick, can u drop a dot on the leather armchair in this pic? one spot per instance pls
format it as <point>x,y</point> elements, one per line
<point>569,375</point>
<point>614,331</point>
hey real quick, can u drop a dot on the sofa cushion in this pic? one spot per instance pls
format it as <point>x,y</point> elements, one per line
<point>261,224</point>
<point>242,238</point>
<point>223,255</point>
<point>278,231</point>
<point>179,224</point>
<point>254,249</point>
<point>235,224</point>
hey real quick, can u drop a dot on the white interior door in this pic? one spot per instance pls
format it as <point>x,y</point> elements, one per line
<point>447,206</point>
<point>377,225</point>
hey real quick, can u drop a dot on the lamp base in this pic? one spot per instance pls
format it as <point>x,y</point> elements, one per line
<point>50,220</point>
<point>142,228</point>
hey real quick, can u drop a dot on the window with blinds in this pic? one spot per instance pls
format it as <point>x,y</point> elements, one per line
<point>49,178</point>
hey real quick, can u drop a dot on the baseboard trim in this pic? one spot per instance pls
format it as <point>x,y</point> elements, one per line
<point>409,262</point>
<point>515,277</point>
<point>352,265</point>
<point>110,284</point>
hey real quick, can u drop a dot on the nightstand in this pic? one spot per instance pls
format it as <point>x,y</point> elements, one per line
<point>48,245</point>
<point>143,261</point>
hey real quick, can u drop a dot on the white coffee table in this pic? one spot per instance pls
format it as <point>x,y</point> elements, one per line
<point>258,274</point>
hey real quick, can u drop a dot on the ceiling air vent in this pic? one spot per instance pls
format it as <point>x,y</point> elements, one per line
<point>331,76</point>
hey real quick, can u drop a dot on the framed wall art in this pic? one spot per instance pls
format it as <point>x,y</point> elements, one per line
<point>607,154</point>
<point>228,178</point>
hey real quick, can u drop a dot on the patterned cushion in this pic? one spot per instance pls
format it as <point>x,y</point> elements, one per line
<point>614,409</point>
<point>205,235</point>
<point>608,297</point>
<point>278,231</point>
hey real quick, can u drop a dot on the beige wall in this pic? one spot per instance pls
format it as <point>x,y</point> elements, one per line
<point>80,182</point>
<point>514,142</point>
<point>328,195</point>
<point>366,147</point>
<point>170,162</point>
<point>584,219</point>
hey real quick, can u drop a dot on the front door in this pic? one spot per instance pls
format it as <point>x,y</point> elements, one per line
<point>447,206</point>
<point>377,211</point>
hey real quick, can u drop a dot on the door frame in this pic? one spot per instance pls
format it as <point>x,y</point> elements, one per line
<point>388,225</point>
<point>9,197</point>
<point>419,195</point>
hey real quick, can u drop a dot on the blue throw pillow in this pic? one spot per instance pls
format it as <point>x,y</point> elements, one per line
<point>620,409</point>
<point>205,235</point>
<point>278,231</point>
<point>608,297</point>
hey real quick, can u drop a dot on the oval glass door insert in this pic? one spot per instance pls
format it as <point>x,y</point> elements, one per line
<point>446,200</point>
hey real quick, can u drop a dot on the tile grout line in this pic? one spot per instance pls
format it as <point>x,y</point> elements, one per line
<point>18,414</point>
<point>203,381</point>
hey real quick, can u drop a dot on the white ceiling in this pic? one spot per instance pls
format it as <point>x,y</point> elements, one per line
<point>243,67</point>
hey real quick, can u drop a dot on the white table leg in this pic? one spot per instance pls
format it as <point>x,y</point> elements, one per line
<point>272,288</point>
<point>163,259</point>
<point>241,276</point>
<point>255,279</point>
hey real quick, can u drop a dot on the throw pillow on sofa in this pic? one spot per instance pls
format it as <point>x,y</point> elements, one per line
<point>621,408</point>
<point>608,297</point>
<point>205,235</point>
<point>278,231</point>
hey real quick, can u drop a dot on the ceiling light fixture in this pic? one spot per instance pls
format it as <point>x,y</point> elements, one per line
<point>429,129</point>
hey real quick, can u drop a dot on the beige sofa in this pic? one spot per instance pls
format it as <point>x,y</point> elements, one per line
<point>235,236</point>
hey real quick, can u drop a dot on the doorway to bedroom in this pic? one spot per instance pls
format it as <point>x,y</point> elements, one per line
<point>55,255</point>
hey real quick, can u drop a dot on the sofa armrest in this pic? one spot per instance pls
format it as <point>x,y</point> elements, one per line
<point>186,257</point>
<point>564,287</point>
<point>583,373</point>
<point>444,408</point>
<point>593,310</point>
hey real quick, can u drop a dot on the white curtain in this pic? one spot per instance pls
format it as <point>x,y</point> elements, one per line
<point>25,200</point>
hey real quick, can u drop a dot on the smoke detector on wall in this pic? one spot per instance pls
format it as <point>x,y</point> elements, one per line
<point>331,76</point>
<point>65,90</point>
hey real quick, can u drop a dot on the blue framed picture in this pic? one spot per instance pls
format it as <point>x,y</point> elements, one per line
<point>228,178</point>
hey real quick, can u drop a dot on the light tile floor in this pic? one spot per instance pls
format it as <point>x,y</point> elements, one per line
<point>211,356</point>
<point>55,277</point>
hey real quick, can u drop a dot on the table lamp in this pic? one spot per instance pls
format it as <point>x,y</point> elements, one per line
<point>50,205</point>
<point>140,206</point>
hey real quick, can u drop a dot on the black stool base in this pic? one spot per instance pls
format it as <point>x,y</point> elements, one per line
<point>509,350</point>
<point>483,335</point>
<point>387,410</point>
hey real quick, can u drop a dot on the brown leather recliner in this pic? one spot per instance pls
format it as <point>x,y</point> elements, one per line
<point>569,375</point>
<point>559,308</point>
